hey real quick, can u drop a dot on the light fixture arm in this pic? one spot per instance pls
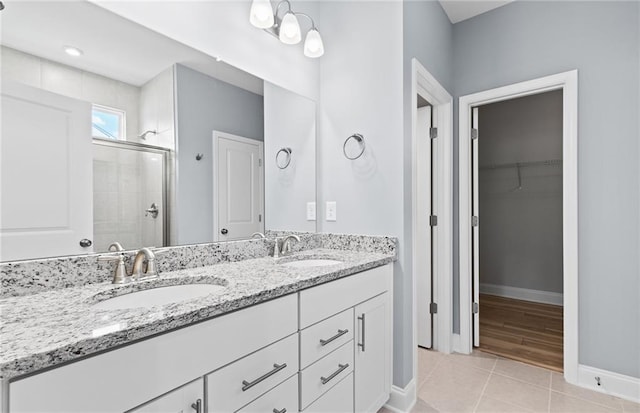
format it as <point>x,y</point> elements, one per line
<point>278,11</point>
<point>313,24</point>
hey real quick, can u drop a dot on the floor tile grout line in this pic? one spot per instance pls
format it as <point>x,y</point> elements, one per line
<point>486,383</point>
<point>590,401</point>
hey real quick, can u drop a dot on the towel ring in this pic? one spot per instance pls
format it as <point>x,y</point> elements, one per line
<point>358,138</point>
<point>287,159</point>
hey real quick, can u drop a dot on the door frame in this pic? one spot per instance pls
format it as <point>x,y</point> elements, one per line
<point>216,136</point>
<point>425,85</point>
<point>568,83</point>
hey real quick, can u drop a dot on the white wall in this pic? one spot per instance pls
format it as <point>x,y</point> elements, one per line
<point>68,81</point>
<point>521,229</point>
<point>222,28</point>
<point>361,92</point>
<point>289,122</point>
<point>157,111</point>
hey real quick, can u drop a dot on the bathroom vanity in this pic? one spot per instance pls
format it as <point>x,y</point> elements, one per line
<point>273,338</point>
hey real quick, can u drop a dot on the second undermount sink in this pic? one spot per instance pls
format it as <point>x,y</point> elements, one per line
<point>158,296</point>
<point>311,262</point>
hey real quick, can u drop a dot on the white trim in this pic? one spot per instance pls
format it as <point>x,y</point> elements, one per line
<point>215,137</point>
<point>402,400</point>
<point>423,83</point>
<point>613,384</point>
<point>568,82</point>
<point>455,343</point>
<point>527,294</point>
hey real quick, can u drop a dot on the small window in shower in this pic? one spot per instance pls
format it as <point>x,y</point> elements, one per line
<point>107,123</point>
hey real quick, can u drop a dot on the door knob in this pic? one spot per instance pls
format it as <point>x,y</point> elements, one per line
<point>85,243</point>
<point>224,231</point>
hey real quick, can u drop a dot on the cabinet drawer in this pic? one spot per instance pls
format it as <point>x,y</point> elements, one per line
<point>337,400</point>
<point>237,384</point>
<point>321,376</point>
<point>284,398</point>
<point>322,338</point>
<point>325,300</point>
<point>178,400</point>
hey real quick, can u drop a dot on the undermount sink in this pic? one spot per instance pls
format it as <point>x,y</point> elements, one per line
<point>311,262</point>
<point>158,296</point>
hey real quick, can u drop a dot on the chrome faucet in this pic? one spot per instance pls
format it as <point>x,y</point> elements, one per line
<point>120,274</point>
<point>258,235</point>
<point>115,247</point>
<point>144,254</point>
<point>283,245</point>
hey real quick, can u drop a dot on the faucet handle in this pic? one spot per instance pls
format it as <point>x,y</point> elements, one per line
<point>120,275</point>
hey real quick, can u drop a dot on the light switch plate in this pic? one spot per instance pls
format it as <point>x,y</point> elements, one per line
<point>331,211</point>
<point>311,211</point>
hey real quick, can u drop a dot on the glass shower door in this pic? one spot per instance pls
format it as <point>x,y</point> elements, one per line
<point>129,186</point>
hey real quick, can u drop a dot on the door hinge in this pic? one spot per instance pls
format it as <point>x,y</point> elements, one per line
<point>259,162</point>
<point>475,308</point>
<point>259,217</point>
<point>474,133</point>
<point>433,220</point>
<point>433,133</point>
<point>433,308</point>
<point>474,221</point>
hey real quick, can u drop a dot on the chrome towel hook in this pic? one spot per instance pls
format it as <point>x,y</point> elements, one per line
<point>283,161</point>
<point>358,138</point>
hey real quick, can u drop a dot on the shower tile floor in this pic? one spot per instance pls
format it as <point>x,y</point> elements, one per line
<point>482,382</point>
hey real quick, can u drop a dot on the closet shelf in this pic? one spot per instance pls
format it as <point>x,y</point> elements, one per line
<point>549,162</point>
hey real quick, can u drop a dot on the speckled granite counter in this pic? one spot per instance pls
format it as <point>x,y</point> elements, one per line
<point>54,327</point>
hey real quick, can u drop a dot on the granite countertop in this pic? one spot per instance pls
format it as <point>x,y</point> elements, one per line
<point>49,328</point>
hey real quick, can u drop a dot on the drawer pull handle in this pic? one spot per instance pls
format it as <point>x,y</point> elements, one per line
<point>341,368</point>
<point>330,339</point>
<point>276,368</point>
<point>361,345</point>
<point>284,410</point>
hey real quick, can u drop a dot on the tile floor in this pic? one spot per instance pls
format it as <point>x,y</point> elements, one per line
<point>482,382</point>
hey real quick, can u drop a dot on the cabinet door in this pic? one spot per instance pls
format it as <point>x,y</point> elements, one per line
<point>372,354</point>
<point>186,399</point>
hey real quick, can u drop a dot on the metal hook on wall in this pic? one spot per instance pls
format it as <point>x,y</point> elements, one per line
<point>199,156</point>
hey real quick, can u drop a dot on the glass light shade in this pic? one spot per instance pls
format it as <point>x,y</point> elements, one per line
<point>261,14</point>
<point>313,46</point>
<point>290,29</point>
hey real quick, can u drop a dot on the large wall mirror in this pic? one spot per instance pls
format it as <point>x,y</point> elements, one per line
<point>113,132</point>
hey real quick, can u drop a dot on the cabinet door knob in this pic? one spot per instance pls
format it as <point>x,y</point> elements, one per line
<point>85,243</point>
<point>224,231</point>
<point>197,406</point>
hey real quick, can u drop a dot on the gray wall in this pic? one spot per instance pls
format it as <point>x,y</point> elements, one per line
<point>521,226</point>
<point>205,104</point>
<point>525,40</point>
<point>427,36</point>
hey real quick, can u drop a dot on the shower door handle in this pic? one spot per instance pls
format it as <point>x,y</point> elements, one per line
<point>153,210</point>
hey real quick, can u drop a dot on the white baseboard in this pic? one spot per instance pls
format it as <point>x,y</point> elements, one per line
<point>538,296</point>
<point>402,400</point>
<point>614,384</point>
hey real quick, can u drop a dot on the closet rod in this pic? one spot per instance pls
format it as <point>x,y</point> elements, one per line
<point>550,162</point>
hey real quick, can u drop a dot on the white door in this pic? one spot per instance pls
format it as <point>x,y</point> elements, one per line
<point>423,239</point>
<point>372,357</point>
<point>186,399</point>
<point>475,222</point>
<point>46,174</point>
<point>238,187</point>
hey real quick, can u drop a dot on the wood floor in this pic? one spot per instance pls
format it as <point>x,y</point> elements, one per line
<point>522,330</point>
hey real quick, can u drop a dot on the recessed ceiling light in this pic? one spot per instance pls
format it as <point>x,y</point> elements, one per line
<point>73,51</point>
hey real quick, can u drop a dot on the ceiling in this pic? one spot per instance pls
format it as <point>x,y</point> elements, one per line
<point>113,46</point>
<point>459,10</point>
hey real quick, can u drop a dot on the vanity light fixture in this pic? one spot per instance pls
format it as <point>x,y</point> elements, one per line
<point>73,51</point>
<point>287,27</point>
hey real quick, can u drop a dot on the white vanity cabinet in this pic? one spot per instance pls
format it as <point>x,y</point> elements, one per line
<point>186,399</point>
<point>325,348</point>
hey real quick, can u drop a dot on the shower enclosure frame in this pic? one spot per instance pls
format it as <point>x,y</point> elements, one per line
<point>166,177</point>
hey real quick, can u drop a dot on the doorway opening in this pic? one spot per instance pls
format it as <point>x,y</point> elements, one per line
<point>517,226</point>
<point>518,222</point>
